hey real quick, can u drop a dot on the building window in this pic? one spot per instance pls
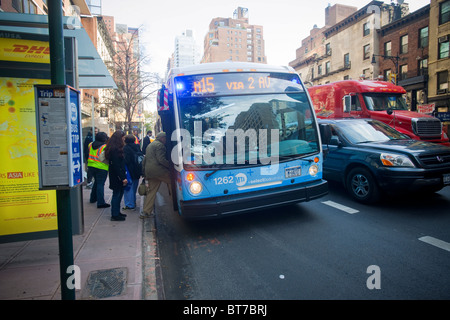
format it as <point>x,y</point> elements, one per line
<point>347,60</point>
<point>366,29</point>
<point>24,6</point>
<point>423,37</point>
<point>319,70</point>
<point>404,44</point>
<point>327,67</point>
<point>403,72</point>
<point>386,74</point>
<point>366,51</point>
<point>328,49</point>
<point>444,12</point>
<point>423,67</point>
<point>387,48</point>
<point>442,82</point>
<point>443,48</point>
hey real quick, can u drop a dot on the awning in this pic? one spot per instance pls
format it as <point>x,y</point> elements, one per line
<point>92,72</point>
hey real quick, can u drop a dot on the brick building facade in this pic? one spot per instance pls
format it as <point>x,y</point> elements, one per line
<point>404,51</point>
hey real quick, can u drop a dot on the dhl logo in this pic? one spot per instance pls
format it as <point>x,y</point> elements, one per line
<point>24,50</point>
<point>46,215</point>
<point>19,48</point>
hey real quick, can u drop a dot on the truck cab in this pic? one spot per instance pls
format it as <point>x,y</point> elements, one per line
<point>377,100</point>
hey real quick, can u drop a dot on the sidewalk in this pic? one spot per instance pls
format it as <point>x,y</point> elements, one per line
<point>117,259</point>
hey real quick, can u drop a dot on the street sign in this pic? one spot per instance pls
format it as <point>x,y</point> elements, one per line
<point>443,116</point>
<point>58,124</point>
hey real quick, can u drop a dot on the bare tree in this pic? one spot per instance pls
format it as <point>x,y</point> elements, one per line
<point>133,83</point>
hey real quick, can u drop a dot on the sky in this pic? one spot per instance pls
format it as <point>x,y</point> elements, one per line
<point>285,22</point>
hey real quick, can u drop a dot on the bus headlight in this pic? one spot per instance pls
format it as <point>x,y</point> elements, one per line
<point>313,170</point>
<point>195,187</point>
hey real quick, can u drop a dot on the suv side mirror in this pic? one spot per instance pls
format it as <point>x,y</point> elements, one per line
<point>334,141</point>
<point>325,133</point>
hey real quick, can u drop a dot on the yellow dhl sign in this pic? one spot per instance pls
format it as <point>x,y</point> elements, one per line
<point>24,50</point>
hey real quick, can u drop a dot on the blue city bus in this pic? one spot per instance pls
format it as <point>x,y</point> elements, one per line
<point>241,136</point>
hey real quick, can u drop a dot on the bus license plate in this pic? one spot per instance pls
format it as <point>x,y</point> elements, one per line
<point>292,172</point>
<point>446,178</point>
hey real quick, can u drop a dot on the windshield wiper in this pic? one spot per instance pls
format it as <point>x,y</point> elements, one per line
<point>209,174</point>
<point>296,157</point>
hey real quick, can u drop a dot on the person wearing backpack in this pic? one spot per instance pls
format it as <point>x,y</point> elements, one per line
<point>132,153</point>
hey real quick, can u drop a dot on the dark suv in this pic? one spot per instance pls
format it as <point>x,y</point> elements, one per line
<point>371,158</point>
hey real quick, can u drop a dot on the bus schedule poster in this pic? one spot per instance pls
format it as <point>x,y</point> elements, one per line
<point>58,120</point>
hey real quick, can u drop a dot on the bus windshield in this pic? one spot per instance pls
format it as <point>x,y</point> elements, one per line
<point>248,129</point>
<point>384,101</point>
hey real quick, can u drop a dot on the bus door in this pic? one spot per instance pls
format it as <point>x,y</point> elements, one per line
<point>166,114</point>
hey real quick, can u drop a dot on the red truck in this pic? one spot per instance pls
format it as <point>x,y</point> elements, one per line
<point>378,100</point>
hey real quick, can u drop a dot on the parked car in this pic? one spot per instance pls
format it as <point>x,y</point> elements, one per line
<point>371,158</point>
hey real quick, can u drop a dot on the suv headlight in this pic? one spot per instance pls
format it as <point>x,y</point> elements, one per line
<point>395,160</point>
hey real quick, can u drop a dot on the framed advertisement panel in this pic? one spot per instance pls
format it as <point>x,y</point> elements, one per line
<point>24,209</point>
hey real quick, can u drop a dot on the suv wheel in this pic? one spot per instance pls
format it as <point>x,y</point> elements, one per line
<point>362,186</point>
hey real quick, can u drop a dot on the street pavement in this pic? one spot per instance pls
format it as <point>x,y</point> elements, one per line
<point>117,259</point>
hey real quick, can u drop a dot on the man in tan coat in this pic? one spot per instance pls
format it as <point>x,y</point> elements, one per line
<point>156,170</point>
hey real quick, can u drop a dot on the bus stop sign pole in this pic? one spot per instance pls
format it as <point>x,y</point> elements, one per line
<point>57,70</point>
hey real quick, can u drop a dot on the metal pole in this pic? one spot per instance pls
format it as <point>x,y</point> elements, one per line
<point>93,118</point>
<point>57,71</point>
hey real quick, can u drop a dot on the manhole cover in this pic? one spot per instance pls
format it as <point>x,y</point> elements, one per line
<point>106,283</point>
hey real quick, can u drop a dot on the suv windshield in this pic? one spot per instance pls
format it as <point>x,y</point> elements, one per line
<point>383,101</point>
<point>360,131</point>
<point>247,129</point>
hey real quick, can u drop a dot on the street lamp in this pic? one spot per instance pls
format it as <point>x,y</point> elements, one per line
<point>394,59</point>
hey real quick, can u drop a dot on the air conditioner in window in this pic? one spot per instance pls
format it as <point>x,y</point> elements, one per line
<point>443,39</point>
<point>442,91</point>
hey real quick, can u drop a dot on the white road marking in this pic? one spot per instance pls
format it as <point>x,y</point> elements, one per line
<point>340,207</point>
<point>436,242</point>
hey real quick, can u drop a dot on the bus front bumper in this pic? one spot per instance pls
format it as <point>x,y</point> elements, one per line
<point>253,201</point>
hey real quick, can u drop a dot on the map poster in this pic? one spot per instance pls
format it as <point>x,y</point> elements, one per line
<point>23,207</point>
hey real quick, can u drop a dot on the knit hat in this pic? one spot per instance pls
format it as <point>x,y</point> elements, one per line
<point>161,135</point>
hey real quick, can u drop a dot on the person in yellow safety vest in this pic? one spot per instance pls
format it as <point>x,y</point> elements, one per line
<point>136,139</point>
<point>99,165</point>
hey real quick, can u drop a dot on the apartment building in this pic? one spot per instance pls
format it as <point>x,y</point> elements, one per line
<point>186,51</point>
<point>403,54</point>
<point>439,59</point>
<point>234,39</point>
<point>343,49</point>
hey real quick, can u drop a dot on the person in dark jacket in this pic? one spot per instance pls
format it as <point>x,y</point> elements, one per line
<point>156,170</point>
<point>131,152</point>
<point>99,169</point>
<point>147,140</point>
<point>117,175</point>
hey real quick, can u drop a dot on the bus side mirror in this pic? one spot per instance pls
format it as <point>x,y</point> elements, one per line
<point>347,103</point>
<point>162,102</point>
<point>325,133</point>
